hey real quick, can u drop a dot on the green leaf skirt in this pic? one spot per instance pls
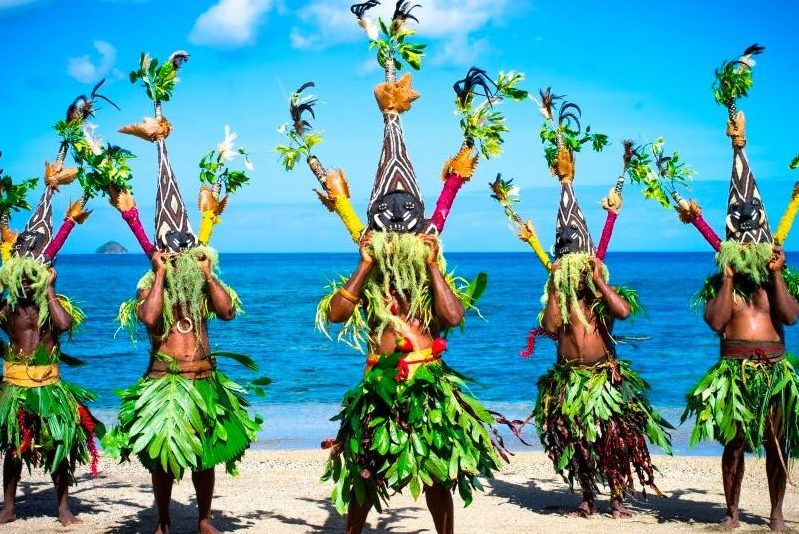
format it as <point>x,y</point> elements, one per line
<point>49,425</point>
<point>739,398</point>
<point>421,432</point>
<point>593,422</point>
<point>174,424</point>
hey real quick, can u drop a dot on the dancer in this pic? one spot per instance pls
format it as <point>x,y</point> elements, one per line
<point>592,410</point>
<point>411,422</point>
<point>184,414</point>
<point>748,400</point>
<point>44,420</point>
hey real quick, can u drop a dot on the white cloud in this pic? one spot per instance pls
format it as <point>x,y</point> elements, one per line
<point>86,69</point>
<point>230,23</point>
<point>326,23</point>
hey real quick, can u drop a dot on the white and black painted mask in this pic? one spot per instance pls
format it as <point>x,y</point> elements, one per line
<point>177,241</point>
<point>397,211</point>
<point>745,217</point>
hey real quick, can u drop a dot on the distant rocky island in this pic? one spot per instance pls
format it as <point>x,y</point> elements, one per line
<point>112,247</point>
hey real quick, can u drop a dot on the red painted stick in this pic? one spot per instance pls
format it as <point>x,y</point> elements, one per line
<point>607,231</point>
<point>452,184</point>
<point>60,238</point>
<point>131,217</point>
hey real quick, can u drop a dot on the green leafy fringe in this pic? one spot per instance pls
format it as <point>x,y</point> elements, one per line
<point>750,259</point>
<point>413,434</point>
<point>742,287</point>
<point>184,288</point>
<point>51,412</point>
<point>403,259</point>
<point>592,427</point>
<point>575,271</point>
<point>736,397</point>
<point>19,268</point>
<point>174,423</point>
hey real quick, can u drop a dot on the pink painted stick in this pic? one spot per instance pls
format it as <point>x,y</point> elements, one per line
<point>60,238</point>
<point>452,184</point>
<point>607,231</point>
<point>131,217</point>
<point>707,232</point>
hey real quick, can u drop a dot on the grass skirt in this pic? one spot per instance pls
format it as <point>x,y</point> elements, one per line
<point>48,425</point>
<point>737,397</point>
<point>174,423</point>
<point>593,421</point>
<point>395,434</point>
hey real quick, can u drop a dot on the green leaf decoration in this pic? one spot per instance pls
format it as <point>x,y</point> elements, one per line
<point>158,80</point>
<point>483,125</point>
<point>419,432</point>
<point>734,78</point>
<point>214,167</point>
<point>242,359</point>
<point>562,128</point>
<point>658,174</point>
<point>794,163</point>
<point>392,44</point>
<point>13,196</point>
<point>103,169</point>
<point>299,133</point>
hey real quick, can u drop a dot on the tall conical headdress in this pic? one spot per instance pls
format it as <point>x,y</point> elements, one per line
<point>173,231</point>
<point>396,203</point>
<point>38,232</point>
<point>747,221</point>
<point>746,216</point>
<point>571,230</point>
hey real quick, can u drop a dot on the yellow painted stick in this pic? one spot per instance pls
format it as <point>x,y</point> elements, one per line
<point>343,207</point>
<point>207,223</point>
<point>786,222</point>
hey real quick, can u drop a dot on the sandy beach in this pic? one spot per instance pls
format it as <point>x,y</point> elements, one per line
<point>278,492</point>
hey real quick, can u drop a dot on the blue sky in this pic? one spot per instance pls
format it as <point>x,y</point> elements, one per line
<point>637,71</point>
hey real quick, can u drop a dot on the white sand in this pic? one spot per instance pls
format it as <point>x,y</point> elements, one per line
<point>278,492</point>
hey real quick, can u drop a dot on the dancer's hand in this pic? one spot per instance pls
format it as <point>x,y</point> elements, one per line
<point>159,262</point>
<point>729,272</point>
<point>598,271</point>
<point>53,276</point>
<point>366,257</point>
<point>205,266</point>
<point>433,248</point>
<point>777,260</point>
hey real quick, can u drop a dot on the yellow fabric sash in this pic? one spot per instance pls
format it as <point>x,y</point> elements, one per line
<point>207,223</point>
<point>414,360</point>
<point>30,376</point>
<point>343,207</point>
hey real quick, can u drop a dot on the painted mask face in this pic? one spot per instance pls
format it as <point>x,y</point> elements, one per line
<point>567,240</point>
<point>398,211</point>
<point>745,217</point>
<point>28,243</point>
<point>178,241</point>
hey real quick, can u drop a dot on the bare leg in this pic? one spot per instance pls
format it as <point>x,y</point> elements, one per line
<point>732,471</point>
<point>776,474</point>
<point>356,515</point>
<point>617,508</point>
<point>61,483</point>
<point>162,488</point>
<point>204,487</point>
<point>439,502</point>
<point>588,506</point>
<point>12,472</point>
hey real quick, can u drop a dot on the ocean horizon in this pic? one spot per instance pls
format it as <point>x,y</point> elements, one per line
<point>311,373</point>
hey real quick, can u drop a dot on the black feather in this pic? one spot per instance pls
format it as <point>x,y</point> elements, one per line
<point>359,9</point>
<point>754,49</point>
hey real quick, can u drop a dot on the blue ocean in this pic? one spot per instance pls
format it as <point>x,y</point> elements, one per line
<point>311,373</point>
